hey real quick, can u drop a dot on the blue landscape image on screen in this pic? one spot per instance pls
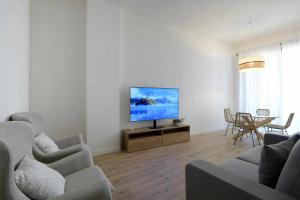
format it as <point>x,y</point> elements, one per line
<point>153,103</point>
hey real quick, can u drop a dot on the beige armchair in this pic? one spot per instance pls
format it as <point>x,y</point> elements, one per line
<point>83,179</point>
<point>68,146</point>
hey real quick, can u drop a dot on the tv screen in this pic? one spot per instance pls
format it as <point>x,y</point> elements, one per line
<point>153,103</point>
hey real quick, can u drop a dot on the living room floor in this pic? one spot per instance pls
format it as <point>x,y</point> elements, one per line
<point>159,174</point>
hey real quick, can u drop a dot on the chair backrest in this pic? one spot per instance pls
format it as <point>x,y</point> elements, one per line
<point>289,121</point>
<point>16,139</point>
<point>244,121</point>
<point>34,118</point>
<point>227,115</point>
<point>262,112</point>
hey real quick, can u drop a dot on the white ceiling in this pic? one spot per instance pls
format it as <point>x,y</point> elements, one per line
<point>226,20</point>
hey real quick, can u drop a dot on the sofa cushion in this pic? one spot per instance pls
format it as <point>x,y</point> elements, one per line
<point>289,179</point>
<point>242,168</point>
<point>251,156</point>
<point>273,158</point>
<point>86,177</point>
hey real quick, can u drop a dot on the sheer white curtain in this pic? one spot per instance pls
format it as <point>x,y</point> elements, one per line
<point>277,87</point>
<point>291,83</point>
<point>262,88</point>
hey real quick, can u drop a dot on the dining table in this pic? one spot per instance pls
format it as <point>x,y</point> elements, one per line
<point>258,121</point>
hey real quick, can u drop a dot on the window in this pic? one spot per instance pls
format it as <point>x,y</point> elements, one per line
<point>277,86</point>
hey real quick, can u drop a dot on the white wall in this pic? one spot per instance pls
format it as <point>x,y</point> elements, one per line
<point>124,50</point>
<point>103,33</point>
<point>14,38</point>
<point>162,56</point>
<point>57,61</point>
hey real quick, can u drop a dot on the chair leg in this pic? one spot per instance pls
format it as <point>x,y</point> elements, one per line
<point>232,129</point>
<point>257,139</point>
<point>286,131</point>
<point>252,139</point>
<point>227,129</point>
<point>237,135</point>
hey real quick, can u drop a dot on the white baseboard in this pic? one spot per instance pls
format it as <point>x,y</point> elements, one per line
<point>207,131</point>
<point>98,152</point>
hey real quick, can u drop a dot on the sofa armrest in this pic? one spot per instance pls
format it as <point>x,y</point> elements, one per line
<point>209,182</point>
<point>73,163</point>
<point>70,141</point>
<point>271,138</point>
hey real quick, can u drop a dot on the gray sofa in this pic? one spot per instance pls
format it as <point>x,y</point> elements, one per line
<point>83,179</point>
<point>235,179</point>
<point>68,145</point>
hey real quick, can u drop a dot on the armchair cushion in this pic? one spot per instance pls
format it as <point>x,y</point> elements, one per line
<point>45,144</point>
<point>38,181</point>
<point>273,158</point>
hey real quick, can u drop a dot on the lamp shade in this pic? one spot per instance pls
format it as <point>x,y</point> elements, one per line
<point>250,63</point>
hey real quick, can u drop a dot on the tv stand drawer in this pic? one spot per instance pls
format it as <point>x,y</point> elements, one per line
<point>178,137</point>
<point>138,139</point>
<point>144,143</point>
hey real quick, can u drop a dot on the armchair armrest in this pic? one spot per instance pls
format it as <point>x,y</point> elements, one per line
<point>207,181</point>
<point>73,163</point>
<point>52,157</point>
<point>270,138</point>
<point>69,141</point>
<point>98,190</point>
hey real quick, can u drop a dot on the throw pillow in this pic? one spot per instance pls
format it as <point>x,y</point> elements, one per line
<point>273,158</point>
<point>45,144</point>
<point>38,181</point>
<point>289,179</point>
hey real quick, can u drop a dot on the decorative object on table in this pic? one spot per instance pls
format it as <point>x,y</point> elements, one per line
<point>229,118</point>
<point>281,128</point>
<point>177,122</point>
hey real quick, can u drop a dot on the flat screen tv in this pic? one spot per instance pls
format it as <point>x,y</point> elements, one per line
<point>148,103</point>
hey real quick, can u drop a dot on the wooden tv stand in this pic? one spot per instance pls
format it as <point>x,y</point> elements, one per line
<point>145,138</point>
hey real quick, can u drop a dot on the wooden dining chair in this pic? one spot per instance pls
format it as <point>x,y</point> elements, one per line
<point>262,112</point>
<point>229,119</point>
<point>246,125</point>
<point>281,128</point>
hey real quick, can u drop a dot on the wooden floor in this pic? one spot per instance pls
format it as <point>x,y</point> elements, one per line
<point>159,174</point>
